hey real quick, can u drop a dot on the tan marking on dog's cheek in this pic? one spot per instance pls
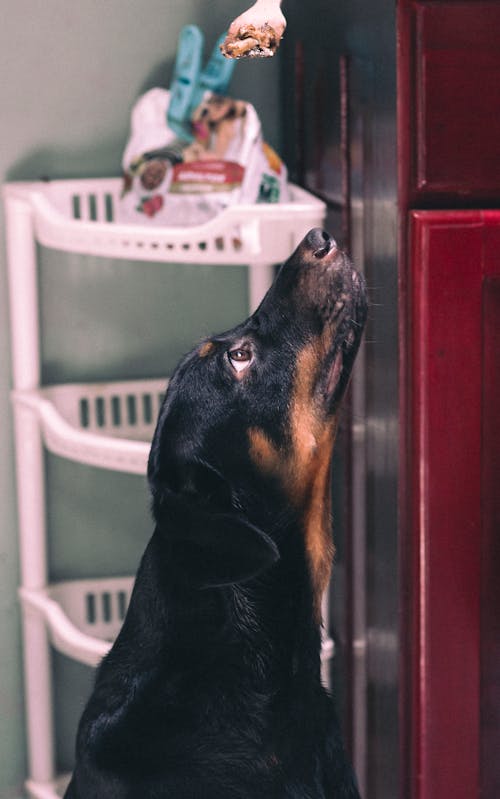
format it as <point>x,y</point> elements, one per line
<point>304,467</point>
<point>317,520</point>
<point>305,424</point>
<point>206,349</point>
<point>313,438</point>
<point>263,452</point>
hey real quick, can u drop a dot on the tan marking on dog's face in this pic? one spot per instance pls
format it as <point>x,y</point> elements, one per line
<point>313,435</point>
<point>304,467</point>
<point>317,517</point>
<point>206,349</point>
<point>263,452</point>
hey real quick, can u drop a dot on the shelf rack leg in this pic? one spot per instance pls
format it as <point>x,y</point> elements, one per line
<point>23,291</point>
<point>38,698</point>
<point>260,277</point>
<point>32,544</point>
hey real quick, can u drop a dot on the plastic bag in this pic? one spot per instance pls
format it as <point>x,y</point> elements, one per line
<point>171,181</point>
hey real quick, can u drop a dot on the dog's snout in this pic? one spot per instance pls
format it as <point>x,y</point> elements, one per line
<point>319,242</point>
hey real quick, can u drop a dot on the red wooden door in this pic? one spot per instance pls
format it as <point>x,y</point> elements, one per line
<point>449,85</point>
<point>453,494</point>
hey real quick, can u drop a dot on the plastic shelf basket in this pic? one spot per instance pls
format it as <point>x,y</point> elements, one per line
<point>85,216</point>
<point>54,789</point>
<point>83,617</point>
<point>109,425</point>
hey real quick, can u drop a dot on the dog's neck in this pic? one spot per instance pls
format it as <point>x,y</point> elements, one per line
<point>271,619</point>
<point>252,650</point>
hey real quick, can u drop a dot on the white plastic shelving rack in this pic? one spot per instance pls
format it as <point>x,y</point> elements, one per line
<point>107,425</point>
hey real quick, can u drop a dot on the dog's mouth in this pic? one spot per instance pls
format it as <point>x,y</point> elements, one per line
<point>343,330</point>
<point>328,285</point>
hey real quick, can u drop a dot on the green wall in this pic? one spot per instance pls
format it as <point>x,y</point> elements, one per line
<point>70,73</point>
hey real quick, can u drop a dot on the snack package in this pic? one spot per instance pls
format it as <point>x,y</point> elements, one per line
<point>171,181</point>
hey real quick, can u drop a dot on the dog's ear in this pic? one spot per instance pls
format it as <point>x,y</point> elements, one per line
<point>210,542</point>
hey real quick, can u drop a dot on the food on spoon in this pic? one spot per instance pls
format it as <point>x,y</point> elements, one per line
<point>255,33</point>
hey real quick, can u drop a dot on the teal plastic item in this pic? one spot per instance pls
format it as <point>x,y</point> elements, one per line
<point>216,75</point>
<point>189,83</point>
<point>185,80</point>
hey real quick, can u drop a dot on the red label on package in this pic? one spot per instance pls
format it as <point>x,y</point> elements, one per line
<point>206,176</point>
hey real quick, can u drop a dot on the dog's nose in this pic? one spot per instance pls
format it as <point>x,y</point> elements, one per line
<point>319,242</point>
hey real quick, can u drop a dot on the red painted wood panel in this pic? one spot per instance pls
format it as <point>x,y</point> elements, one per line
<point>452,410</point>
<point>490,565</point>
<point>449,96</point>
<point>445,484</point>
<point>449,156</point>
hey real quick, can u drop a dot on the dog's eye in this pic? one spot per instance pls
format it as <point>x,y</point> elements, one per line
<point>240,358</point>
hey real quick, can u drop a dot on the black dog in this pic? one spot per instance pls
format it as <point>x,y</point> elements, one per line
<point>212,689</point>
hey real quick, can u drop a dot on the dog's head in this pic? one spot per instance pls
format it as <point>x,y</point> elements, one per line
<point>244,439</point>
